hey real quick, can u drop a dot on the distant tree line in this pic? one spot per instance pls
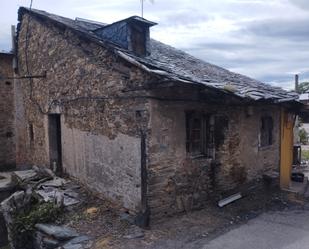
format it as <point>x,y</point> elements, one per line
<point>303,87</point>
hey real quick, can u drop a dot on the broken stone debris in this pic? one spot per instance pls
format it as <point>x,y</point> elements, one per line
<point>47,185</point>
<point>56,182</point>
<point>32,176</point>
<point>229,199</point>
<point>57,232</point>
<point>25,175</point>
<point>43,184</point>
<point>51,236</point>
<point>61,197</point>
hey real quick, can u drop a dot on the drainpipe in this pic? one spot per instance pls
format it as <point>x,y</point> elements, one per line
<point>296,83</point>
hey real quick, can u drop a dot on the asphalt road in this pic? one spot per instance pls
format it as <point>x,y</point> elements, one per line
<point>274,230</point>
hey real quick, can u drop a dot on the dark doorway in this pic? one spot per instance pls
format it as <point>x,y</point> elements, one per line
<point>55,151</point>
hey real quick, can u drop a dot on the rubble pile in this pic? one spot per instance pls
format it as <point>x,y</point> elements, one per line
<point>51,236</point>
<point>39,192</point>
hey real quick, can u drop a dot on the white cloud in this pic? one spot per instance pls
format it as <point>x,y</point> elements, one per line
<point>221,32</point>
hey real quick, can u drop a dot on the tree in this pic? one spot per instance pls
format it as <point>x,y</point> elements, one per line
<point>303,136</point>
<point>303,87</point>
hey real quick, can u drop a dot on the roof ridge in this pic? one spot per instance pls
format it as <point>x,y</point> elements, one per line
<point>180,65</point>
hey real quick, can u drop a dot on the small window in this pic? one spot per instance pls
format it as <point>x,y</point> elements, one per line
<point>31,133</point>
<point>196,129</point>
<point>266,133</point>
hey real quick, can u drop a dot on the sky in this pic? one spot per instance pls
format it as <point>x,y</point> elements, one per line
<point>265,39</point>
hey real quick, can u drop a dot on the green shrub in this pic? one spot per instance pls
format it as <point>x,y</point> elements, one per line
<point>23,227</point>
<point>305,154</point>
<point>303,136</point>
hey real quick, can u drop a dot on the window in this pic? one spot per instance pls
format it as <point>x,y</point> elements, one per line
<point>205,133</point>
<point>197,129</point>
<point>266,133</point>
<point>31,133</point>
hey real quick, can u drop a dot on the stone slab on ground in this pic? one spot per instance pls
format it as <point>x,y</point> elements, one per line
<point>50,243</point>
<point>52,193</point>
<point>57,182</point>
<point>25,175</point>
<point>57,232</point>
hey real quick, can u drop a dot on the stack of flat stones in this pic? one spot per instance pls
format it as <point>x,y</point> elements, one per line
<point>47,187</point>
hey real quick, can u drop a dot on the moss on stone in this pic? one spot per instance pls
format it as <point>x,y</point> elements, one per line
<point>24,223</point>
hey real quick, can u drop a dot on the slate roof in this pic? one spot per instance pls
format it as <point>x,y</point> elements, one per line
<point>178,65</point>
<point>88,24</point>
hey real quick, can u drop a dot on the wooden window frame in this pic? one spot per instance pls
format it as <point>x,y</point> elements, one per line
<point>266,131</point>
<point>197,134</point>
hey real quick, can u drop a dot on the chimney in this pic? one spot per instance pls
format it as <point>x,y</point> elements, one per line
<point>132,34</point>
<point>296,83</point>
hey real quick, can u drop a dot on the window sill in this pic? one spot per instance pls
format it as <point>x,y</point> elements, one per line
<point>266,147</point>
<point>198,156</point>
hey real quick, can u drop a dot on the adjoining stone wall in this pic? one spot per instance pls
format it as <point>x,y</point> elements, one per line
<point>101,123</point>
<point>7,121</point>
<point>109,166</point>
<point>179,182</point>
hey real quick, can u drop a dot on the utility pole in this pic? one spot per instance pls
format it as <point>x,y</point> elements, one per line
<point>296,83</point>
<point>142,6</point>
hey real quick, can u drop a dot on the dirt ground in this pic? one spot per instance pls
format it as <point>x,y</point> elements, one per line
<point>110,227</point>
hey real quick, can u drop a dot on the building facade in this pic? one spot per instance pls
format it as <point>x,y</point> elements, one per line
<point>140,122</point>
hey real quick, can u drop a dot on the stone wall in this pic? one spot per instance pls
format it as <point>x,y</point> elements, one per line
<point>7,122</point>
<point>111,135</point>
<point>179,182</point>
<point>101,122</point>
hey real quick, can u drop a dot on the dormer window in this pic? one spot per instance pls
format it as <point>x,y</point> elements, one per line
<point>131,34</point>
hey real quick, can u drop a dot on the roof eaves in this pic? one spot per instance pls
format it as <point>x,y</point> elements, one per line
<point>124,54</point>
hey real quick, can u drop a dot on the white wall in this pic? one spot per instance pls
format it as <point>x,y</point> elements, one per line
<point>112,167</point>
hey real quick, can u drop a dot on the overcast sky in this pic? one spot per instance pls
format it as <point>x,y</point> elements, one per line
<point>264,39</point>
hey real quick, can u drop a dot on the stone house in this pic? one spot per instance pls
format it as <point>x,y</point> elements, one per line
<point>145,124</point>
